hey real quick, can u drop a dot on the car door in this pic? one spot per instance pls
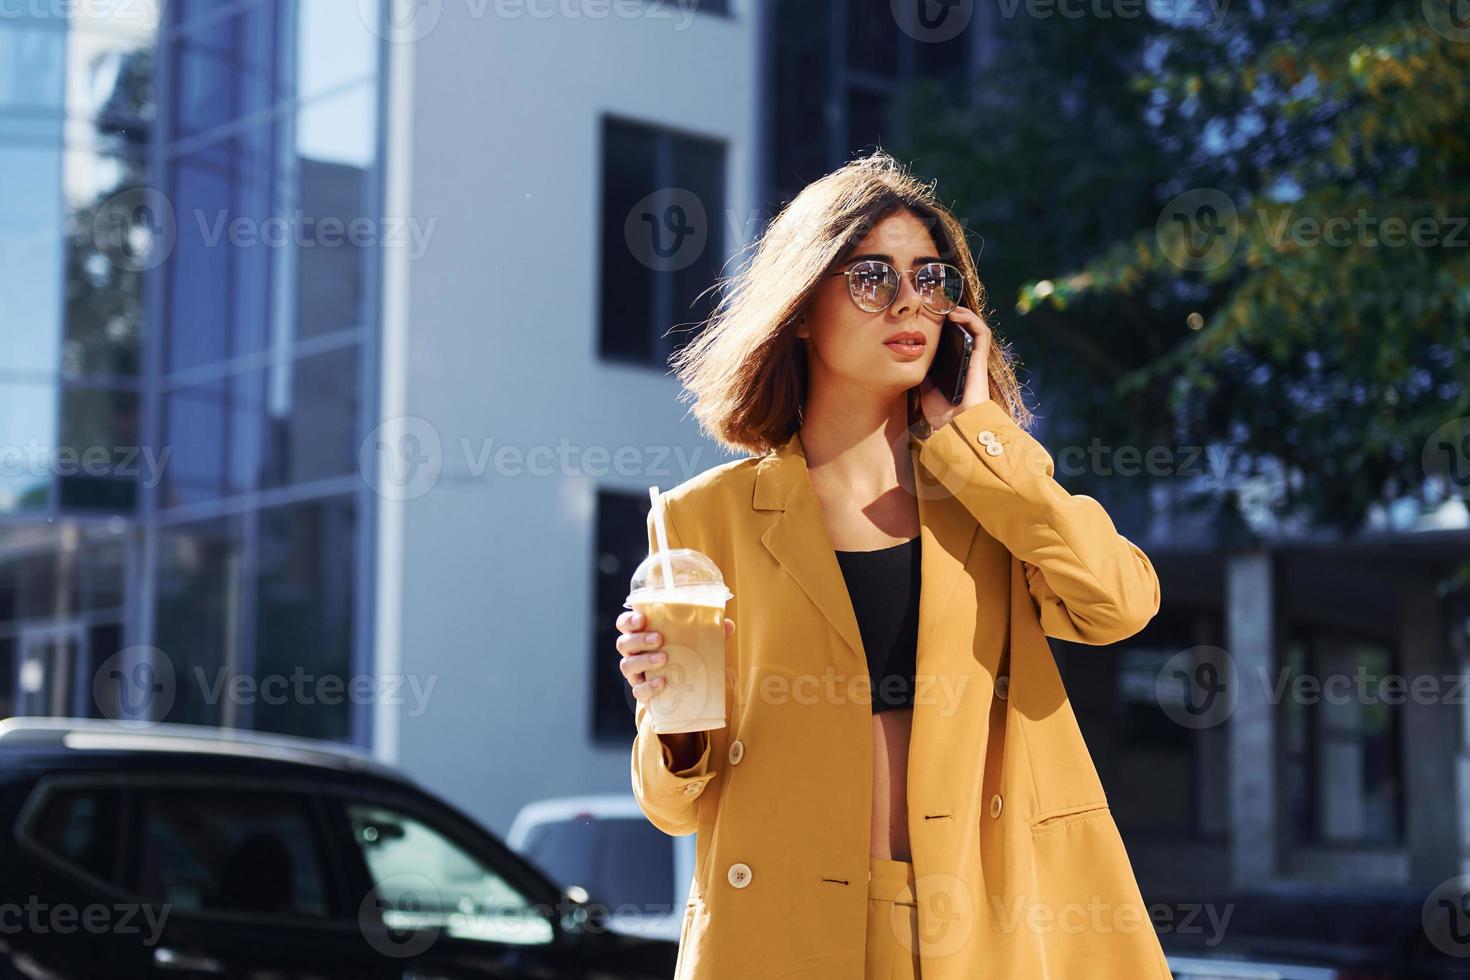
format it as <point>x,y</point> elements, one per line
<point>62,907</point>
<point>244,883</point>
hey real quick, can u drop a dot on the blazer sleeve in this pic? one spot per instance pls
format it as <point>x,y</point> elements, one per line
<point>1090,584</point>
<point>666,796</point>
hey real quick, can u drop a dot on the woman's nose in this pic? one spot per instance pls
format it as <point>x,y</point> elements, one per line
<point>908,295</point>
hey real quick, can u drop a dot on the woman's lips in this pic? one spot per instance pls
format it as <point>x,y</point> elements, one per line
<point>909,351</point>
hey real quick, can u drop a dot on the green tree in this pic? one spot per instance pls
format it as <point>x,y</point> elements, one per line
<point>1293,286</point>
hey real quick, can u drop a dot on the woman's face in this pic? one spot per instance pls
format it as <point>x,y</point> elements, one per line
<point>850,342</point>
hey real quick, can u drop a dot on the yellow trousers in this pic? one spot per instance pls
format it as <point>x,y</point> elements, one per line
<point>893,921</point>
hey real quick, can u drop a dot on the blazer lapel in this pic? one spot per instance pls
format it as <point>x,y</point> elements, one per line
<point>798,539</point>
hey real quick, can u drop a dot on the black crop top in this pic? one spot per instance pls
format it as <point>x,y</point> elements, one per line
<point>884,588</point>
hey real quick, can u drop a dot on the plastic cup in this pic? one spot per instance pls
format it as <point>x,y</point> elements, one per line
<point>688,611</point>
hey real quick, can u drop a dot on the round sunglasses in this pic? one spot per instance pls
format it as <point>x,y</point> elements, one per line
<point>873,285</point>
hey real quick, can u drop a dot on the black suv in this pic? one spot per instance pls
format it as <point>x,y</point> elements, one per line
<point>185,852</point>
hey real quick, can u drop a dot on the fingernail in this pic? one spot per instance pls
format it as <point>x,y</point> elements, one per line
<point>650,637</point>
<point>659,658</point>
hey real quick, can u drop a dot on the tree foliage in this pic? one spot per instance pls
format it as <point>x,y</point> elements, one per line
<point>1272,258</point>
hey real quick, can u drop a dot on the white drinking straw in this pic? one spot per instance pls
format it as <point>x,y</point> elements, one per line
<point>663,536</point>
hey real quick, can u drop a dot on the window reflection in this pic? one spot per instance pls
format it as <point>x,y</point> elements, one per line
<point>104,263</point>
<point>225,64</point>
<point>31,68</point>
<point>198,613</point>
<point>304,616</point>
<point>31,260</point>
<point>311,420</point>
<point>272,114</point>
<point>219,272</point>
<point>27,422</point>
<point>334,45</point>
<point>424,880</point>
<point>207,430</point>
<point>103,460</point>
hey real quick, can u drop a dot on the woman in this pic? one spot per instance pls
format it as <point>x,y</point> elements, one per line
<point>901,789</point>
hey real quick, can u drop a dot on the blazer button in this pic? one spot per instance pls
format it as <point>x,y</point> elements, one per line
<point>995,805</point>
<point>1003,686</point>
<point>737,752</point>
<point>985,436</point>
<point>994,448</point>
<point>739,874</point>
<point>691,789</point>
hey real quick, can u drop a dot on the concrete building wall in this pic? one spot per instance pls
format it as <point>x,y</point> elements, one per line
<point>499,329</point>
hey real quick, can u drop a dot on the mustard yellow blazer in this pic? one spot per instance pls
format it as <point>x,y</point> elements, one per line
<point>1021,874</point>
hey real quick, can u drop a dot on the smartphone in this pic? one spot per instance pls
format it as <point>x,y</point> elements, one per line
<point>951,363</point>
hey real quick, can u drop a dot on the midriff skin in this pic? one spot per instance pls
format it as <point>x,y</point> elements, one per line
<point>890,520</point>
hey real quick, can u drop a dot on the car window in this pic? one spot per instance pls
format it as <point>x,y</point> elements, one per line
<point>423,879</point>
<point>78,826</point>
<point>218,851</point>
<point>626,865</point>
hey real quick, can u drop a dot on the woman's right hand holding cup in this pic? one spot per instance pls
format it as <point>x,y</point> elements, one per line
<point>642,651</point>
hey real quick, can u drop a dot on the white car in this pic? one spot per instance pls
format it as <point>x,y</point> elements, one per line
<point>605,845</point>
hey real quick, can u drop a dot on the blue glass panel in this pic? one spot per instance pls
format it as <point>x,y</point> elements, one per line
<point>31,68</point>
<point>31,259</point>
<point>335,45</point>
<point>197,613</point>
<point>207,432</point>
<point>225,69</point>
<point>28,433</point>
<point>119,228</point>
<point>99,432</point>
<point>311,418</point>
<point>199,266</point>
<point>305,590</point>
<point>340,129</point>
<point>220,269</point>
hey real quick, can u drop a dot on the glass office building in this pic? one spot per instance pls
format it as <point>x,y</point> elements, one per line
<point>188,222</point>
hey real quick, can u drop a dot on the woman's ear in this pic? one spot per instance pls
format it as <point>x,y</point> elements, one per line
<point>801,330</point>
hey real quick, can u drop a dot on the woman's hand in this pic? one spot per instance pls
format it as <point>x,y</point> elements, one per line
<point>643,652</point>
<point>936,406</point>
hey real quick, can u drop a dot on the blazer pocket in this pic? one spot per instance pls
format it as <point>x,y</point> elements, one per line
<point>1062,816</point>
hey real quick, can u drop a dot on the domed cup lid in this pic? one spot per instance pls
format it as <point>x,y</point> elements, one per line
<point>696,579</point>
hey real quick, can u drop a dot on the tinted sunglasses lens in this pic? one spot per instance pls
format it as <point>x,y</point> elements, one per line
<point>941,287</point>
<point>872,285</point>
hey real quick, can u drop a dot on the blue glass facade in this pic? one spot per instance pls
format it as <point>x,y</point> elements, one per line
<point>190,319</point>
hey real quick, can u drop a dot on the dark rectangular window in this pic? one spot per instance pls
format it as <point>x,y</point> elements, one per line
<point>622,542</point>
<point>304,623</point>
<point>78,826</point>
<point>222,851</point>
<point>663,239</point>
<point>1344,780</point>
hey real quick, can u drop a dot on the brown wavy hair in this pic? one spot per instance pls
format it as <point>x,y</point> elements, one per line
<point>746,370</point>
